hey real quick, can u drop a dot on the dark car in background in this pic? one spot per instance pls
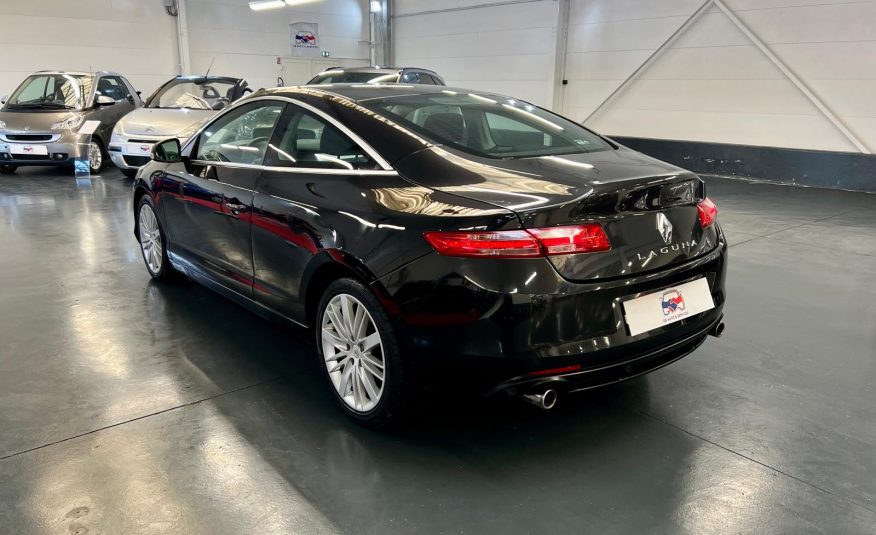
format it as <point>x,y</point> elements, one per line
<point>377,75</point>
<point>40,121</point>
<point>439,237</point>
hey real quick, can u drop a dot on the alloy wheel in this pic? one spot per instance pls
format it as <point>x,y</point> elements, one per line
<point>150,239</point>
<point>353,352</point>
<point>95,156</point>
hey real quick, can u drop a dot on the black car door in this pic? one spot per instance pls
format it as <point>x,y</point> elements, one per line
<point>208,203</point>
<point>314,171</point>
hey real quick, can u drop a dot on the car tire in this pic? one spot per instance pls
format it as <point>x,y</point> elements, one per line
<point>130,173</point>
<point>96,156</point>
<point>355,394</point>
<point>153,243</point>
<point>8,169</point>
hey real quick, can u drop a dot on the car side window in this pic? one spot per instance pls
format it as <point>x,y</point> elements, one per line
<point>425,79</point>
<point>113,87</point>
<point>240,136</point>
<point>306,140</point>
<point>411,78</point>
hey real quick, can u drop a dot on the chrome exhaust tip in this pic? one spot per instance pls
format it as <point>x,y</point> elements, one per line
<point>717,330</point>
<point>546,400</point>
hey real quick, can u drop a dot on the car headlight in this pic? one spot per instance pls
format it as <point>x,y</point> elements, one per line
<point>2,127</point>
<point>68,124</point>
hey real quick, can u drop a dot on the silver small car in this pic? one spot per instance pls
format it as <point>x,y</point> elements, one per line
<point>177,109</point>
<point>40,121</point>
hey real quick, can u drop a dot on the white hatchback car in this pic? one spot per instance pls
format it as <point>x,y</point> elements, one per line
<point>177,109</point>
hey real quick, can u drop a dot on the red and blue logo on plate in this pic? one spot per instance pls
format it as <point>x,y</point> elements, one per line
<point>672,302</point>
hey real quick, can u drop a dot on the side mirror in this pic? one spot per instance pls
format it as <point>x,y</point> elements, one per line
<point>3,99</point>
<point>167,151</point>
<point>103,100</point>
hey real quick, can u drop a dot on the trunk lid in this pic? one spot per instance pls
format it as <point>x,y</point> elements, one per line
<point>648,208</point>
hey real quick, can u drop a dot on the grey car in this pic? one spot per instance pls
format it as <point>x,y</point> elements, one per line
<point>377,75</point>
<point>40,121</point>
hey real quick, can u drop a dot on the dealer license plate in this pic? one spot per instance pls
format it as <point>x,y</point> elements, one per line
<point>18,148</point>
<point>138,149</point>
<point>667,306</point>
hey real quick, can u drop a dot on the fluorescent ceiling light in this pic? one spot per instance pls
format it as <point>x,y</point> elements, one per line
<point>260,5</point>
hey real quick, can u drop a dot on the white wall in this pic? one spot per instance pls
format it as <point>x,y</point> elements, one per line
<point>711,84</point>
<point>139,39</point>
<point>135,37</point>
<point>508,49</point>
<point>247,41</point>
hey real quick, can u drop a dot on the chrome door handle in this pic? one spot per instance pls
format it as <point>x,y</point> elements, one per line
<point>235,207</point>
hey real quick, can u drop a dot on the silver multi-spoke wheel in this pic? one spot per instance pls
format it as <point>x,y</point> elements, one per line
<point>353,352</point>
<point>150,239</point>
<point>95,156</point>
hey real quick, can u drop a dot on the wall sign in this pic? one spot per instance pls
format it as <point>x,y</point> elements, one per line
<point>305,38</point>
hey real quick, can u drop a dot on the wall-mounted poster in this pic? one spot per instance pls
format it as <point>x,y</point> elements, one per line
<point>305,38</point>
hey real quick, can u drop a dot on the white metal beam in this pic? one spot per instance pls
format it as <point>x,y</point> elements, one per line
<point>182,31</point>
<point>647,63</point>
<point>798,83</point>
<point>562,44</point>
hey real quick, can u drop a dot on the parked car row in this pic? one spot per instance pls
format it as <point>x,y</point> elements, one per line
<point>40,121</point>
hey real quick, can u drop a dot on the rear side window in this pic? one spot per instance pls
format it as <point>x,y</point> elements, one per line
<point>240,136</point>
<point>488,125</point>
<point>305,140</point>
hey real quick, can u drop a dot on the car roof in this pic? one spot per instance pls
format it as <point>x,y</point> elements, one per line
<point>211,78</point>
<point>363,92</point>
<point>81,73</point>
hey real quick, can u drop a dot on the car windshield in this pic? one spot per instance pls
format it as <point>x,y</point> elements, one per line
<point>194,94</point>
<point>51,92</point>
<point>344,77</point>
<point>488,125</point>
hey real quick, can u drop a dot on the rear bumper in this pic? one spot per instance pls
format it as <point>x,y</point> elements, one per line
<point>617,370</point>
<point>472,324</point>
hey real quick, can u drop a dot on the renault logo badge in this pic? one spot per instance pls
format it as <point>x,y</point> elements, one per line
<point>664,227</point>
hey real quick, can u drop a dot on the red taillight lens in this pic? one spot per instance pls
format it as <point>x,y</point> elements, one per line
<point>529,243</point>
<point>588,238</point>
<point>504,243</point>
<point>707,211</point>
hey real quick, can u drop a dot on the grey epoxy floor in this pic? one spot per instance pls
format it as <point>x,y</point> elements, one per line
<point>132,407</point>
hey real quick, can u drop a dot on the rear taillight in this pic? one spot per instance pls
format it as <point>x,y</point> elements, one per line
<point>707,211</point>
<point>588,238</point>
<point>528,243</point>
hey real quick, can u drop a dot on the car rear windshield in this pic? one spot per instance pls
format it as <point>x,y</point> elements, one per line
<point>344,77</point>
<point>194,94</point>
<point>51,92</point>
<point>488,125</point>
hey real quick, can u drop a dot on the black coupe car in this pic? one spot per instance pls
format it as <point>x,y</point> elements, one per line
<point>441,238</point>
